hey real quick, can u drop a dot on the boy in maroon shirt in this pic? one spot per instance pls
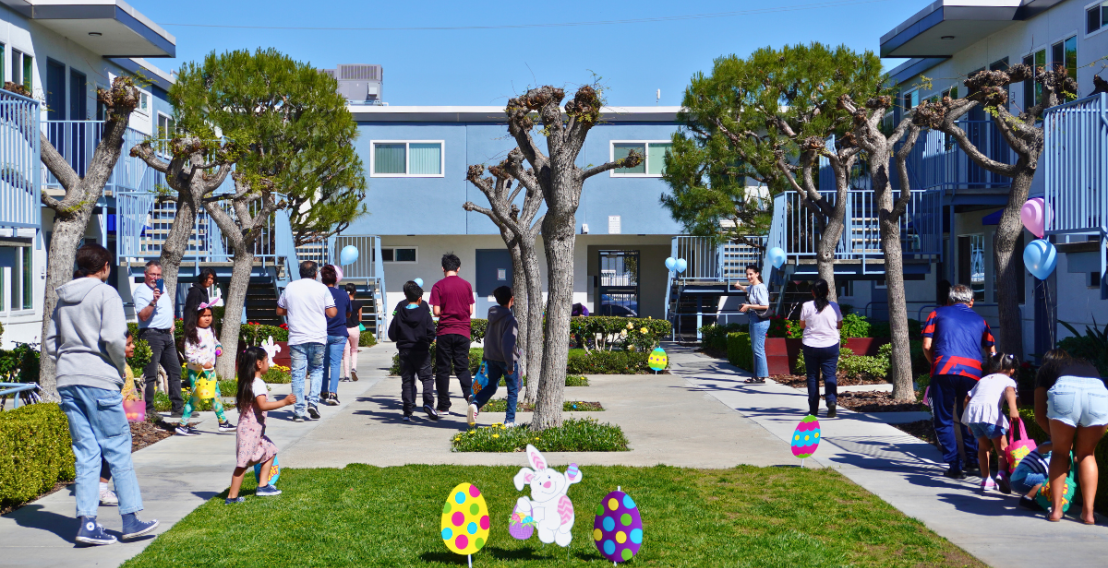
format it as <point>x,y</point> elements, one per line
<point>452,299</point>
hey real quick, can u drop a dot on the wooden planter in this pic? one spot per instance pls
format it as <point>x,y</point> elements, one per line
<point>782,354</point>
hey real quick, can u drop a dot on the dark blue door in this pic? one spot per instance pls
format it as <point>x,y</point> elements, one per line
<point>494,269</point>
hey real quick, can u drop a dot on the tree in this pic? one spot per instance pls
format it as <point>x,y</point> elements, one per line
<point>1024,135</point>
<point>72,212</point>
<point>561,181</point>
<point>520,230</point>
<point>296,140</point>
<point>768,117</point>
<point>879,149</point>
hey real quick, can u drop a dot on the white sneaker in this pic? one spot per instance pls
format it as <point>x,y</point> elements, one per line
<point>509,424</point>
<point>988,485</point>
<point>108,498</point>
<point>471,414</point>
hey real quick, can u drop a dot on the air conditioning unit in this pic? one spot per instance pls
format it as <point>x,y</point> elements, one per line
<point>360,82</point>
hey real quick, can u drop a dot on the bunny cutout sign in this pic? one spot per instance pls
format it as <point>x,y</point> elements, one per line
<point>271,349</point>
<point>548,506</point>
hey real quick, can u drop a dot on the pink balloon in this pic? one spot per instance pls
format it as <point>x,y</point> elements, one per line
<point>338,272</point>
<point>1033,216</point>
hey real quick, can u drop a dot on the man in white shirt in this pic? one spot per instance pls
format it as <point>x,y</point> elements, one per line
<point>154,308</point>
<point>307,304</point>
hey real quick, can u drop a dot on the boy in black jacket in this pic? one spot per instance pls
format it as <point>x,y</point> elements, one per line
<point>502,356</point>
<point>413,330</point>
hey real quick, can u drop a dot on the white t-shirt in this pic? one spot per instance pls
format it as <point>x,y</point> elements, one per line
<point>821,329</point>
<point>985,399</point>
<point>259,388</point>
<point>307,301</point>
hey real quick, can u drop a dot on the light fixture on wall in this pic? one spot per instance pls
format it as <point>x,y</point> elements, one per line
<point>95,34</point>
<point>948,38</point>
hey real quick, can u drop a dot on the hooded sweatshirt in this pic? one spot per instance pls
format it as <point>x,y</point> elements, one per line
<point>412,327</point>
<point>500,337</point>
<point>86,337</point>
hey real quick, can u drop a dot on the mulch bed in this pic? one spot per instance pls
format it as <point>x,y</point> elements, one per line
<point>801,381</point>
<point>876,401</point>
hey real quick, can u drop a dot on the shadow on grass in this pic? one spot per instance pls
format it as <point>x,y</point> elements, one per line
<point>551,552</point>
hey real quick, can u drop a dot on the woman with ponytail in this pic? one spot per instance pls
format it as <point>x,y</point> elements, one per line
<point>821,321</point>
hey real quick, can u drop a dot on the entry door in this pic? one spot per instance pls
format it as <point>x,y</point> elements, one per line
<point>55,105</point>
<point>78,110</point>
<point>619,283</point>
<point>494,269</point>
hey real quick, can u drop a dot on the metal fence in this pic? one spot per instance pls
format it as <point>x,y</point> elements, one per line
<point>1075,164</point>
<point>369,261</point>
<point>20,166</point>
<point>76,141</point>
<point>701,256</point>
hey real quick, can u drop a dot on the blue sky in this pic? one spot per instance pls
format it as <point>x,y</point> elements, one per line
<point>486,66</point>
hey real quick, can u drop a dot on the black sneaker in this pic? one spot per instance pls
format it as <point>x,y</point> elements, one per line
<point>332,400</point>
<point>831,410</point>
<point>185,430</point>
<point>955,473</point>
<point>92,532</point>
<point>407,418</point>
<point>344,380</point>
<point>226,427</point>
<point>299,418</point>
<point>1031,504</point>
<point>1002,483</point>
<point>430,410</point>
<point>313,412</point>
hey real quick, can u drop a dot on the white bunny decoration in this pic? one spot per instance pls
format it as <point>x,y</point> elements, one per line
<point>271,349</point>
<point>549,506</point>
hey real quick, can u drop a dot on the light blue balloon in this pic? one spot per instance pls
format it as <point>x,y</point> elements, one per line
<point>1040,257</point>
<point>776,257</point>
<point>418,282</point>
<point>349,255</point>
<point>681,265</point>
<point>670,263</point>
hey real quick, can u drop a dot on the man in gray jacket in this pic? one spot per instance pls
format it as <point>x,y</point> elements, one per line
<point>502,357</point>
<point>86,340</point>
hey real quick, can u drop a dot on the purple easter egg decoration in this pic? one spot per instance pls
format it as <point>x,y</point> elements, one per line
<point>617,530</point>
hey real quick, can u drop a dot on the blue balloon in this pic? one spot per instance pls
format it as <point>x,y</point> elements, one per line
<point>670,263</point>
<point>418,282</point>
<point>349,255</point>
<point>681,265</point>
<point>776,256</point>
<point>1040,257</point>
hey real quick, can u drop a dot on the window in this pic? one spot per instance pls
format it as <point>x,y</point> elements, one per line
<point>1096,17</point>
<point>653,153</point>
<point>844,288</point>
<point>166,129</point>
<point>417,158</point>
<point>951,92</point>
<point>911,100</point>
<point>399,254</point>
<point>19,280</point>
<point>1064,53</point>
<point>144,103</point>
<point>1032,91</point>
<point>23,69</point>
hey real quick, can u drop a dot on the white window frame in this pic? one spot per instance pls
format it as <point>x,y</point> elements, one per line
<point>8,283</point>
<point>407,159</point>
<point>646,168</point>
<point>149,103</point>
<point>393,249</point>
<point>1084,16</point>
<point>163,149</point>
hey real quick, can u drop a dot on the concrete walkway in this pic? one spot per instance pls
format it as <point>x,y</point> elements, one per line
<point>905,472</point>
<point>176,475</point>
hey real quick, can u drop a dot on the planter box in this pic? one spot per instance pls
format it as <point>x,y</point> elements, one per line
<point>782,354</point>
<point>868,346</point>
<point>283,357</point>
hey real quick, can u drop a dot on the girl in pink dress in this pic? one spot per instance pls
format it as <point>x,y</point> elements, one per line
<point>253,446</point>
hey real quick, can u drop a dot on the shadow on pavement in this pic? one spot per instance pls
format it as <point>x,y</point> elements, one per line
<point>35,517</point>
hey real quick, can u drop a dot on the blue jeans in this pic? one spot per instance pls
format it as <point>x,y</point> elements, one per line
<point>333,367</point>
<point>511,378</point>
<point>948,396</point>
<point>98,427</point>
<point>825,360</point>
<point>758,330</point>
<point>307,359</point>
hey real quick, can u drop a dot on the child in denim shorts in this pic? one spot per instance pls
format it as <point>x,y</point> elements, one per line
<point>985,420</point>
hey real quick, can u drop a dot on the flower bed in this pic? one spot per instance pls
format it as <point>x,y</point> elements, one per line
<point>574,435</point>
<point>501,405</point>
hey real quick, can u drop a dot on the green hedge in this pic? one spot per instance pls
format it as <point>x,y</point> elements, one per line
<point>1036,433</point>
<point>35,452</point>
<point>579,363</point>
<point>367,339</point>
<point>714,337</point>
<point>589,326</point>
<point>739,351</point>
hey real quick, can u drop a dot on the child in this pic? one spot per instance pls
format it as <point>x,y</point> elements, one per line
<point>201,349</point>
<point>985,421</point>
<point>108,497</point>
<point>413,330</point>
<point>252,445</point>
<point>502,356</point>
<point>1032,472</point>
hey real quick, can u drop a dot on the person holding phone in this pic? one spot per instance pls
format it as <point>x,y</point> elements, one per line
<point>154,308</point>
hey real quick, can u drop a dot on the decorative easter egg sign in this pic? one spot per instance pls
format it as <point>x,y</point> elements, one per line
<point>805,438</point>
<point>465,520</point>
<point>617,530</point>
<point>658,360</point>
<point>274,472</point>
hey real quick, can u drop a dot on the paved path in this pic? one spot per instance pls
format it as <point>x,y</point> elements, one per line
<point>176,475</point>
<point>905,472</point>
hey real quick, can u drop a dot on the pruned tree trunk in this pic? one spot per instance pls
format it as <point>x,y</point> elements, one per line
<point>242,266</point>
<point>1004,251</point>
<point>829,236</point>
<point>72,213</point>
<point>558,241</point>
<point>534,317</point>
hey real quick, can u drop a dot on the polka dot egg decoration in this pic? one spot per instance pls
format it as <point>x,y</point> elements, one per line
<point>617,530</point>
<point>658,360</point>
<point>805,438</point>
<point>465,520</point>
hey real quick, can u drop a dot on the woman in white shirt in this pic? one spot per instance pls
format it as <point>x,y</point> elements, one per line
<point>821,321</point>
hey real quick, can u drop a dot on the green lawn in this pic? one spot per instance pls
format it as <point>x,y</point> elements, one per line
<point>369,516</point>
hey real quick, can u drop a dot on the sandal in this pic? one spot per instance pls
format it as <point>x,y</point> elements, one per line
<point>754,380</point>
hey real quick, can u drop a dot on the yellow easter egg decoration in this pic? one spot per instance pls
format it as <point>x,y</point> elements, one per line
<point>465,520</point>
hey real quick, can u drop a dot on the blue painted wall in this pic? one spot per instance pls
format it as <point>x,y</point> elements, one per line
<point>433,206</point>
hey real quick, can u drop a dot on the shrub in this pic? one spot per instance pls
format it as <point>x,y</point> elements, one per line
<point>1092,346</point>
<point>141,358</point>
<point>577,381</point>
<point>20,364</point>
<point>253,334</point>
<point>367,339</point>
<point>278,375</point>
<point>35,452</point>
<point>855,325</point>
<point>739,352</point>
<point>781,327</point>
<point>587,327</point>
<point>574,435</point>
<point>714,337</point>
<point>607,362</point>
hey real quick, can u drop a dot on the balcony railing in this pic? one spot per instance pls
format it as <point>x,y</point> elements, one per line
<point>938,162</point>
<point>20,164</point>
<point>1075,166</point>
<point>76,140</point>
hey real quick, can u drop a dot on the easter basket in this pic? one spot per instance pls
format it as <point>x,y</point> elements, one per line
<point>135,410</point>
<point>481,379</point>
<point>1018,449</point>
<point>205,388</point>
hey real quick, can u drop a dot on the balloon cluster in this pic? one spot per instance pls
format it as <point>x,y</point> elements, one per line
<point>678,264</point>
<point>1039,256</point>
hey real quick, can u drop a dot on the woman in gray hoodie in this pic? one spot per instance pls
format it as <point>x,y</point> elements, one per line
<point>86,339</point>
